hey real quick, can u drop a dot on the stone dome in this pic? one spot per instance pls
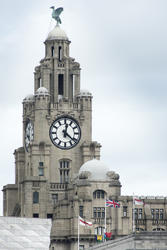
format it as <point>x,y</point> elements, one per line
<point>42,91</point>
<point>57,34</point>
<point>29,98</point>
<point>96,170</point>
<point>85,93</point>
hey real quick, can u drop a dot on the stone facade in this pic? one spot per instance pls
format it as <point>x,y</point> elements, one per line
<point>142,241</point>
<point>52,181</point>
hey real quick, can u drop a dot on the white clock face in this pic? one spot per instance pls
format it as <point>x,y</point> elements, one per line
<point>65,132</point>
<point>29,134</point>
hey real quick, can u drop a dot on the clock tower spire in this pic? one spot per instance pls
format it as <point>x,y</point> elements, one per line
<point>57,133</point>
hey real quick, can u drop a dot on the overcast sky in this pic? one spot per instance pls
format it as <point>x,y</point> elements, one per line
<point>122,48</point>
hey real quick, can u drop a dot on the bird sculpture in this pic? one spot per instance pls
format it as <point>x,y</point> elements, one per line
<point>56,13</point>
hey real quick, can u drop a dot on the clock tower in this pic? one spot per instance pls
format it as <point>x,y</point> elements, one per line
<point>57,134</point>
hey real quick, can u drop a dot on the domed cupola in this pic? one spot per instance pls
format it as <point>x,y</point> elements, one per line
<point>84,93</point>
<point>95,170</point>
<point>42,91</point>
<point>57,34</point>
<point>28,98</point>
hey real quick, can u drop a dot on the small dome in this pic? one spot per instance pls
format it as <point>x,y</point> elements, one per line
<point>42,91</point>
<point>29,98</point>
<point>84,92</point>
<point>97,169</point>
<point>57,34</point>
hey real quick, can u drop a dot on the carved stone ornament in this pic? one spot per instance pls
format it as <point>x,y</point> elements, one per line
<point>112,175</point>
<point>84,175</point>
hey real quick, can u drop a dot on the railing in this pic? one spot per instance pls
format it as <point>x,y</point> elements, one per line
<point>140,222</point>
<point>58,186</point>
<point>100,221</point>
<point>159,222</point>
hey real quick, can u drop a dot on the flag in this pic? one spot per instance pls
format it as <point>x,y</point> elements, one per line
<point>83,222</point>
<point>137,201</point>
<point>112,203</point>
<point>99,237</point>
<point>107,236</point>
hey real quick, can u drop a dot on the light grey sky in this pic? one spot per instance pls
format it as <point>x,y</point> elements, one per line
<point>122,48</point>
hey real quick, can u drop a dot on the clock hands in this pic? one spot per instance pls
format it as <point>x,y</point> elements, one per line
<point>65,133</point>
<point>65,130</point>
<point>71,137</point>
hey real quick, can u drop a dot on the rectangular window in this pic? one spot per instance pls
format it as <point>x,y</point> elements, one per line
<point>64,171</point>
<point>99,212</point>
<point>49,216</point>
<point>81,211</point>
<point>35,215</point>
<point>60,53</point>
<point>124,211</point>
<point>55,197</point>
<point>41,164</point>
<point>35,197</point>
<point>41,171</point>
<point>94,212</point>
<point>52,51</point>
<point>61,177</point>
<point>39,82</point>
<point>81,247</point>
<point>60,84</point>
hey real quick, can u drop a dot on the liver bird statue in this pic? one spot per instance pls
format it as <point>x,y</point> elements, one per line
<point>56,13</point>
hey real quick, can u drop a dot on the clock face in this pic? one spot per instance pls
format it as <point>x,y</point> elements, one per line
<point>29,134</point>
<point>65,132</point>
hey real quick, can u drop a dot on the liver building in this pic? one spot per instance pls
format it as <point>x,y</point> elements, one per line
<point>58,172</point>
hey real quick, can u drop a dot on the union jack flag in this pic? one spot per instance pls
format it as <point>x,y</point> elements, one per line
<point>112,203</point>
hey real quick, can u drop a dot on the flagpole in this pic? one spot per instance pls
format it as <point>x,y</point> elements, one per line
<point>78,231</point>
<point>105,219</point>
<point>133,221</point>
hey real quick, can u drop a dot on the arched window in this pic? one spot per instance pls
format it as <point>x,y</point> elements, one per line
<point>158,229</point>
<point>139,229</point>
<point>99,194</point>
<point>35,197</point>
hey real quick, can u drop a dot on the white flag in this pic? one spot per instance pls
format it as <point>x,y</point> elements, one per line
<point>83,222</point>
<point>138,202</point>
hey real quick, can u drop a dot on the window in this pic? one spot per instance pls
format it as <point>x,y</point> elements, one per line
<point>52,51</point>
<point>138,213</point>
<point>158,229</point>
<point>99,194</point>
<point>81,247</point>
<point>99,231</point>
<point>55,197</point>
<point>81,211</point>
<point>161,214</point>
<point>64,171</point>
<point>35,215</point>
<point>125,211</point>
<point>60,53</point>
<point>39,82</point>
<point>157,214</point>
<point>35,197</point>
<point>41,169</point>
<point>49,216</point>
<point>99,212</point>
<point>60,84</point>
